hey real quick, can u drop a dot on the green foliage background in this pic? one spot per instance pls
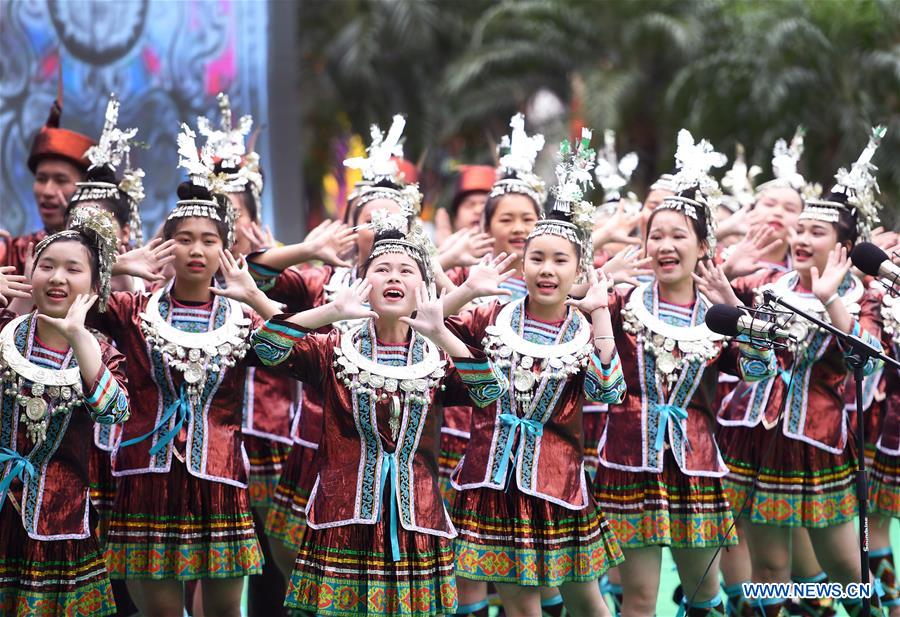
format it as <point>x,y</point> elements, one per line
<point>745,71</point>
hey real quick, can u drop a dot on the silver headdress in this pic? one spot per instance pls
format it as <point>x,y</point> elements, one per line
<point>112,150</point>
<point>613,174</point>
<point>227,146</point>
<point>738,181</point>
<point>200,168</point>
<point>856,191</point>
<point>415,242</point>
<point>381,172</point>
<point>518,152</point>
<point>693,185</point>
<point>576,223</point>
<point>785,161</point>
<point>97,227</point>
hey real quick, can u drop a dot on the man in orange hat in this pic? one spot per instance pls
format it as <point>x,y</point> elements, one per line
<point>57,161</point>
<point>475,182</point>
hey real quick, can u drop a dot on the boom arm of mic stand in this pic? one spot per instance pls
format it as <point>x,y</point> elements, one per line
<point>858,345</point>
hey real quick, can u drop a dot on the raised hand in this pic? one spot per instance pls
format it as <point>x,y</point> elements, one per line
<point>712,283</point>
<point>826,283</point>
<point>13,285</point>
<point>28,266</point>
<point>465,248</point>
<point>745,256</point>
<point>329,240</point>
<point>147,262</point>
<point>72,325</point>
<point>485,278</point>
<point>617,228</point>
<point>626,265</point>
<point>353,302</point>
<point>429,315</point>
<point>597,296</point>
<point>259,239</point>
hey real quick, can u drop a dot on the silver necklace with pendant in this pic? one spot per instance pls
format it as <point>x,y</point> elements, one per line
<point>40,392</point>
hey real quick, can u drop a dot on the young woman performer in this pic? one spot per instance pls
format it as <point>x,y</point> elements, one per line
<point>57,380</point>
<point>378,538</point>
<point>524,514</point>
<point>807,478</point>
<point>182,510</point>
<point>659,479</point>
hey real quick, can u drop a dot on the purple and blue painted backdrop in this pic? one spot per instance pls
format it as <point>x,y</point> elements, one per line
<point>165,59</point>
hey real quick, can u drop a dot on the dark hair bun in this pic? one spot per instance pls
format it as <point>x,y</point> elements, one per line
<point>387,183</point>
<point>101,173</point>
<point>219,168</point>
<point>187,190</point>
<point>390,234</point>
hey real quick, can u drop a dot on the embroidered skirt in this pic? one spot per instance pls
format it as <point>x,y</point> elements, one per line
<point>287,514</point>
<point>175,526</point>
<point>350,570</point>
<point>50,578</point>
<point>799,485</point>
<point>267,458</point>
<point>452,449</point>
<point>884,485</point>
<point>669,508</point>
<point>510,537</point>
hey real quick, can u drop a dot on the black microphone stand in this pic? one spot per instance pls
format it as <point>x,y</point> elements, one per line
<point>859,353</point>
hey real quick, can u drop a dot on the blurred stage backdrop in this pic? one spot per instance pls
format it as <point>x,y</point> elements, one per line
<point>166,61</point>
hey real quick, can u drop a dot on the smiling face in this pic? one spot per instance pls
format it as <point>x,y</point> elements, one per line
<point>511,221</point>
<point>812,243</point>
<point>54,185</point>
<point>550,268</point>
<point>673,246</point>
<point>779,208</point>
<point>365,235</point>
<point>197,245</point>
<point>394,278</point>
<point>62,271</point>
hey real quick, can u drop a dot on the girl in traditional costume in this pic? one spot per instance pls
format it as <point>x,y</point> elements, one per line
<point>57,381</point>
<point>378,537</point>
<point>660,475</point>
<point>805,478</point>
<point>182,510</point>
<point>525,516</point>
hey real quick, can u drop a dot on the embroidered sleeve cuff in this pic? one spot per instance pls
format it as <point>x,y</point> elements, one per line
<point>105,400</point>
<point>274,340</point>
<point>872,364</point>
<point>605,383</point>
<point>484,383</point>
<point>265,277</point>
<point>756,364</point>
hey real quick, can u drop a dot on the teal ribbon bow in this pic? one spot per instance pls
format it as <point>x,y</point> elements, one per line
<point>19,468</point>
<point>180,407</point>
<point>512,421</point>
<point>665,413</point>
<point>389,469</point>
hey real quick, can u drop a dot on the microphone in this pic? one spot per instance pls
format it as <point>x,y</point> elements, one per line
<point>875,262</point>
<point>731,321</point>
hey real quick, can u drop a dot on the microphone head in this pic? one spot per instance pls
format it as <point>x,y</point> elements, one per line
<point>868,258</point>
<point>723,319</point>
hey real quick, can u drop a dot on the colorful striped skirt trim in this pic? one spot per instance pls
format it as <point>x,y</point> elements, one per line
<point>510,537</point>
<point>798,485</point>
<point>50,578</point>
<point>267,459</point>
<point>669,508</point>
<point>884,485</point>
<point>176,526</point>
<point>452,449</point>
<point>286,519</point>
<point>349,570</point>
<point>102,488</point>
